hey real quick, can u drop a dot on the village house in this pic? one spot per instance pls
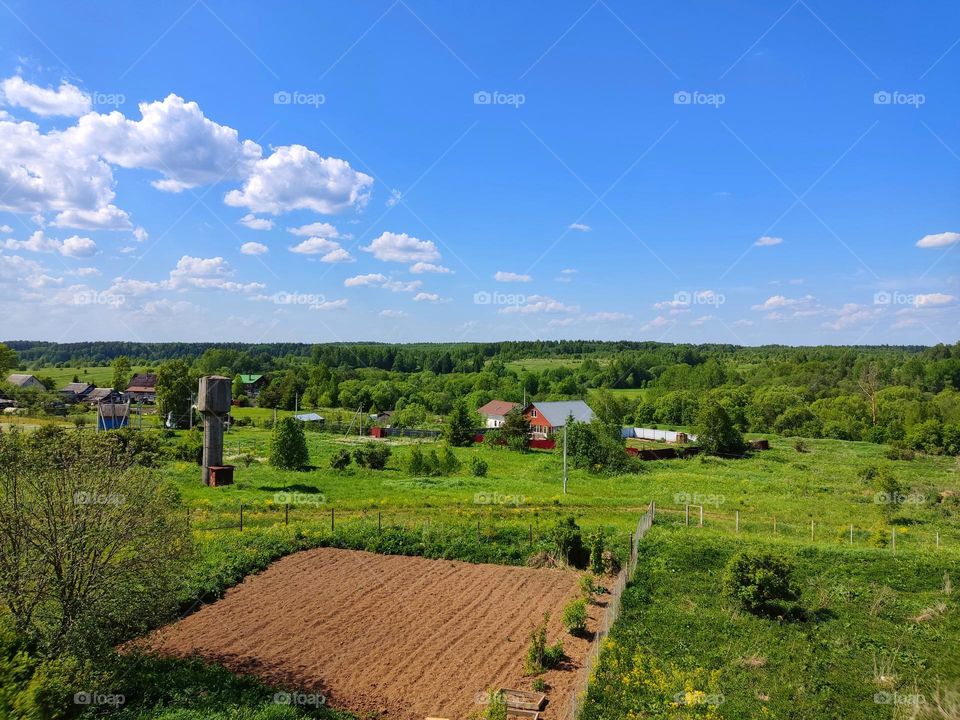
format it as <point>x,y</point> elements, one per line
<point>545,418</point>
<point>253,384</point>
<point>75,392</point>
<point>26,382</point>
<point>142,388</point>
<point>495,412</point>
<point>102,395</point>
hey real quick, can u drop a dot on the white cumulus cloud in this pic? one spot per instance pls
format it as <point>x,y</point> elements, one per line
<point>295,177</point>
<point>503,276</point>
<point>256,223</point>
<point>46,102</point>
<point>400,247</point>
<point>254,248</point>
<point>938,240</point>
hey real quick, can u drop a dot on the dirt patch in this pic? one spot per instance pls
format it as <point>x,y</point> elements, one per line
<point>398,637</point>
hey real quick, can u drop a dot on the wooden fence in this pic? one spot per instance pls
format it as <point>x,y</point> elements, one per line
<point>610,615</point>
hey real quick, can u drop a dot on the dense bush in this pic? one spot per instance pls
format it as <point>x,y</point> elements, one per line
<point>190,447</point>
<point>478,467</point>
<point>758,580</point>
<point>372,455</point>
<point>575,617</point>
<point>340,459</point>
<point>568,542</point>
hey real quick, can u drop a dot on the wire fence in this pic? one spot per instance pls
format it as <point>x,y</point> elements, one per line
<point>852,534</point>
<point>610,614</point>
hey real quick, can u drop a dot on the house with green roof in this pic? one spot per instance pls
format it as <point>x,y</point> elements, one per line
<point>252,384</point>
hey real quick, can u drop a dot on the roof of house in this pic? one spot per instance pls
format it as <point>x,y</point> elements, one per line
<point>77,388</point>
<point>142,382</point>
<point>99,393</point>
<point>556,413</point>
<point>115,410</point>
<point>309,417</point>
<point>249,379</point>
<point>20,379</point>
<point>496,408</point>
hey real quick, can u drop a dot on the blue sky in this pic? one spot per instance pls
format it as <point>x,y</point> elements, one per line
<point>729,172</point>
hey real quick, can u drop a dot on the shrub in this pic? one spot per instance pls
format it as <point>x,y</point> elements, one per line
<point>540,656</point>
<point>449,463</point>
<point>801,446</point>
<point>478,467</point>
<point>288,445</point>
<point>568,540</point>
<point>575,617</point>
<point>588,586</point>
<point>416,464</point>
<point>539,685</point>
<point>372,455</point>
<point>597,546</point>
<point>340,459</point>
<point>496,708</point>
<point>190,447</point>
<point>757,580</point>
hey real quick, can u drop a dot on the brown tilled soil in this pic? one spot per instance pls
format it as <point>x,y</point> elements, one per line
<point>388,636</point>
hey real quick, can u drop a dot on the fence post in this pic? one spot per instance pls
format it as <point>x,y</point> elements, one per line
<point>893,533</point>
<point>379,522</point>
<point>851,533</point>
<point>286,514</point>
<point>479,539</point>
<point>701,516</point>
<point>241,517</point>
<point>332,521</point>
<point>774,524</point>
<point>738,521</point>
<point>653,511</point>
<point>687,514</point>
<point>531,533</point>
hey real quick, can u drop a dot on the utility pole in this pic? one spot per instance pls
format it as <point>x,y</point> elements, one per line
<point>564,459</point>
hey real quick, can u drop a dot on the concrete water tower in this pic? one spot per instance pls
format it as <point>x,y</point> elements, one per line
<point>213,402</point>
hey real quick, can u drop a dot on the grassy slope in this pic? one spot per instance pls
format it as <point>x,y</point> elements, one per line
<point>678,634</point>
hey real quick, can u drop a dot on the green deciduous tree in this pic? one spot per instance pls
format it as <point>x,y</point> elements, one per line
<point>174,390</point>
<point>716,432</point>
<point>121,373</point>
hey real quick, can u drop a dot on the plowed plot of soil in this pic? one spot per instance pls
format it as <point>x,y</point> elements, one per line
<point>398,636</point>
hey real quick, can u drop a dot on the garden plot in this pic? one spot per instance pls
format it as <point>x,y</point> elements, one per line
<point>399,637</point>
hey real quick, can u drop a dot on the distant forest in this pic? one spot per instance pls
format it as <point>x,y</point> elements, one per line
<point>906,395</point>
